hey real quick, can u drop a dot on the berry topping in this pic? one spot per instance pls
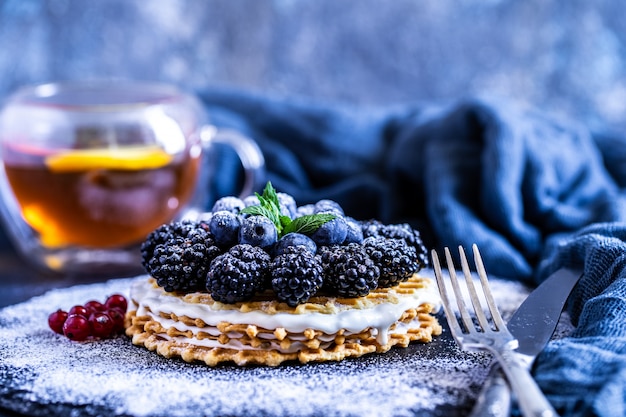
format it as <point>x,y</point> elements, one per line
<point>375,228</point>
<point>328,206</point>
<point>396,260</point>
<point>238,274</point>
<point>296,275</point>
<point>333,232</point>
<point>251,200</point>
<point>178,255</point>
<point>230,203</point>
<point>348,270</point>
<point>294,239</point>
<point>287,205</point>
<point>243,247</point>
<point>305,210</point>
<point>258,231</point>
<point>271,207</point>
<point>224,226</point>
<point>354,233</point>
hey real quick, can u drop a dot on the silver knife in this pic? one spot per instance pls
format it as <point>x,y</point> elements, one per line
<point>532,325</point>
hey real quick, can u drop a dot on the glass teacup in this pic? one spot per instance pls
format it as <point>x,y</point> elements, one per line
<point>90,168</point>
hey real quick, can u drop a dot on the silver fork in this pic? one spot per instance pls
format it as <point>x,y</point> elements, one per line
<point>480,335</point>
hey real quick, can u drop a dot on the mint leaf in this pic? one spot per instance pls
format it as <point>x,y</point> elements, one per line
<point>284,221</point>
<point>308,224</point>
<point>269,195</point>
<point>269,206</point>
<point>258,211</point>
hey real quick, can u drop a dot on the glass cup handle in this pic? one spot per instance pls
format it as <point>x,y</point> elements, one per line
<point>248,151</point>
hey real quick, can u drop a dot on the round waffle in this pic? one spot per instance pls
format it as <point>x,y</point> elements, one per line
<point>265,331</point>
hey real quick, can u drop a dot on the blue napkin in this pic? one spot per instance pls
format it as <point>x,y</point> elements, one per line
<point>585,373</point>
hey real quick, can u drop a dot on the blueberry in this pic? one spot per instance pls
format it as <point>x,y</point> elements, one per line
<point>328,206</point>
<point>230,203</point>
<point>205,217</point>
<point>294,239</point>
<point>287,204</point>
<point>333,232</point>
<point>251,200</point>
<point>305,210</point>
<point>355,233</point>
<point>258,231</point>
<point>224,225</point>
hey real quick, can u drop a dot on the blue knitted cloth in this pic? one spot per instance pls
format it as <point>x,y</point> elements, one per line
<point>585,374</point>
<point>533,192</point>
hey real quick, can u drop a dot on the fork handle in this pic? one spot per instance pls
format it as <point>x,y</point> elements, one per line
<point>531,401</point>
<point>494,399</point>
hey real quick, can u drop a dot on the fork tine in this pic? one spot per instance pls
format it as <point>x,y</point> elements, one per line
<point>478,309</point>
<point>480,268</point>
<point>460,300</point>
<point>453,323</point>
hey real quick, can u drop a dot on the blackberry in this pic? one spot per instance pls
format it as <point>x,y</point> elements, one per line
<point>178,255</point>
<point>402,231</point>
<point>224,225</point>
<point>238,274</point>
<point>396,259</point>
<point>294,239</point>
<point>258,231</point>
<point>230,203</point>
<point>348,270</point>
<point>164,233</point>
<point>296,275</point>
<point>331,233</point>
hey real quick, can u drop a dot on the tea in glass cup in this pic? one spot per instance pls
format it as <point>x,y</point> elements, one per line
<point>89,169</point>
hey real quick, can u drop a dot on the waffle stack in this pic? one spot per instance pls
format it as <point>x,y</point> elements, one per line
<point>265,331</point>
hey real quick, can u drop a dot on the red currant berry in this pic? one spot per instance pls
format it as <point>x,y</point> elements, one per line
<point>79,310</point>
<point>76,327</point>
<point>117,316</point>
<point>116,301</point>
<point>101,325</point>
<point>56,320</point>
<point>94,306</point>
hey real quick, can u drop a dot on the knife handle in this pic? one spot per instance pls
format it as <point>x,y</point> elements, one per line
<point>529,397</point>
<point>494,399</point>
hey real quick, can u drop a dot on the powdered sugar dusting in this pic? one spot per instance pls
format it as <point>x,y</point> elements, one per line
<point>46,374</point>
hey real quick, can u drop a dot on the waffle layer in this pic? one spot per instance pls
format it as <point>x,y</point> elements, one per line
<point>267,332</point>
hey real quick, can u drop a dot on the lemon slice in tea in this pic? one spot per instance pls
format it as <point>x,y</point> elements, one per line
<point>130,158</point>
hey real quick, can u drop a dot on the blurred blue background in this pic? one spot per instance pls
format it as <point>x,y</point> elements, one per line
<point>568,58</point>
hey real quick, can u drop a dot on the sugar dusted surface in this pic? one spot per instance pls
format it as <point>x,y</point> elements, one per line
<point>42,373</point>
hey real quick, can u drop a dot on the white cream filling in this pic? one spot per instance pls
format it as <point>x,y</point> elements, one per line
<point>233,343</point>
<point>379,317</point>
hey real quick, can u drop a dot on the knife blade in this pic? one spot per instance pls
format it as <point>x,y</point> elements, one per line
<point>532,325</point>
